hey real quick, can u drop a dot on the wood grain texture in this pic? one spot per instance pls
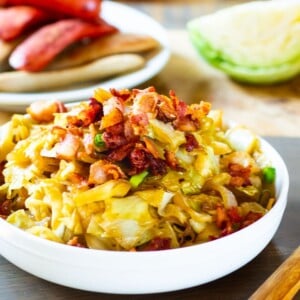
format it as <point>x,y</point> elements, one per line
<point>284,283</point>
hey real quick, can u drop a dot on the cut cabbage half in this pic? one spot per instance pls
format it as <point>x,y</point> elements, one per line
<point>256,42</point>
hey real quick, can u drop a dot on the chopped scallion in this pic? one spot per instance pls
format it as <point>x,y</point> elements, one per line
<point>98,140</point>
<point>269,174</point>
<point>137,179</point>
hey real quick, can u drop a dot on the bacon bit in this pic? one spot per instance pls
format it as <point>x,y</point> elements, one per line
<point>145,103</point>
<point>150,89</point>
<point>166,109</point>
<point>114,136</point>
<point>157,166</point>
<point>158,243</point>
<point>171,160</point>
<point>240,175</point>
<point>234,215</point>
<point>76,130</point>
<point>114,117</point>
<point>139,159</point>
<point>2,165</point>
<point>67,149</point>
<point>139,123</point>
<point>92,114</point>
<point>191,142</point>
<point>250,218</point>
<point>5,208</point>
<point>111,104</point>
<point>78,179</point>
<point>221,216</point>
<point>120,153</point>
<point>128,131</point>
<point>74,241</point>
<point>123,94</point>
<point>151,147</point>
<point>102,171</point>
<point>185,124</point>
<point>228,220</point>
<point>236,181</point>
<point>43,111</point>
<point>198,111</point>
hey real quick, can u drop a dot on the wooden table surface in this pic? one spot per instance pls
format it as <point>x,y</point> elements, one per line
<point>271,111</point>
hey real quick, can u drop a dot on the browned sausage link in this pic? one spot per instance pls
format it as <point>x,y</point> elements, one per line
<point>42,46</point>
<point>15,20</point>
<point>83,9</point>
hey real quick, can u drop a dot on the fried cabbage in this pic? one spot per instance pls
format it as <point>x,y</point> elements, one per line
<point>161,175</point>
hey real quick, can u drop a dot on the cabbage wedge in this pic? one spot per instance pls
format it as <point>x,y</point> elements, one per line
<point>256,42</point>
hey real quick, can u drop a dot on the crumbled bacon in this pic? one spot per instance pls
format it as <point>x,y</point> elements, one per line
<point>191,142</point>
<point>2,164</point>
<point>114,117</point>
<point>92,114</point>
<point>166,109</point>
<point>5,208</point>
<point>145,103</point>
<point>250,218</point>
<point>171,160</point>
<point>139,159</point>
<point>114,137</point>
<point>118,154</point>
<point>230,220</point>
<point>157,165</point>
<point>179,105</point>
<point>158,243</point>
<point>239,174</point>
<point>141,120</point>
<point>101,171</point>
<point>123,94</point>
<point>74,241</point>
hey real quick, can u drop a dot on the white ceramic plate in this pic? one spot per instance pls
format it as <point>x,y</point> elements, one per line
<point>146,272</point>
<point>126,19</point>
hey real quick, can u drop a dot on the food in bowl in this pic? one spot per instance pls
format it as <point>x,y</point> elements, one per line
<point>255,42</point>
<point>132,170</point>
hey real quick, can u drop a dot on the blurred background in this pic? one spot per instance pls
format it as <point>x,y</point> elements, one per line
<point>176,13</point>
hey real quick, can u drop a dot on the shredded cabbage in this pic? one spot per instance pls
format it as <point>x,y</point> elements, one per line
<point>200,180</point>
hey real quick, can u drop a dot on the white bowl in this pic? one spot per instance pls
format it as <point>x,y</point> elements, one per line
<point>146,272</point>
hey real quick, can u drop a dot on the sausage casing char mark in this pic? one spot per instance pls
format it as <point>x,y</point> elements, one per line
<point>42,46</point>
<point>83,9</point>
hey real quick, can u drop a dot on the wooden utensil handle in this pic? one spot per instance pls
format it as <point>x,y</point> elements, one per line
<point>284,283</point>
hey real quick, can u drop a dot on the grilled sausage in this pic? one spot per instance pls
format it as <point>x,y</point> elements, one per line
<point>83,9</point>
<point>42,46</point>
